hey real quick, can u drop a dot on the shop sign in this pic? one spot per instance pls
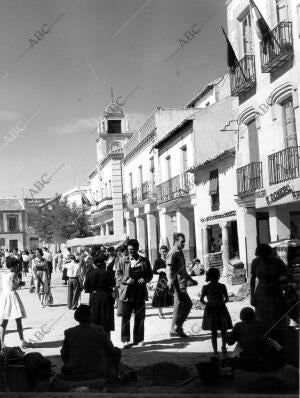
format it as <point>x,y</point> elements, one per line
<point>296,195</point>
<point>277,195</point>
<point>217,216</point>
<point>35,202</point>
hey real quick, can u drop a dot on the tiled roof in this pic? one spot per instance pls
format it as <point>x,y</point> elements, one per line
<point>223,155</point>
<point>174,130</point>
<point>11,204</point>
<point>209,86</point>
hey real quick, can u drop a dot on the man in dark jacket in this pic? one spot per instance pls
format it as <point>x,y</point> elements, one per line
<point>87,352</point>
<point>132,274</point>
<point>177,282</point>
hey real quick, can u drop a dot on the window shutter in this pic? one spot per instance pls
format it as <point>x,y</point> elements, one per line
<point>214,182</point>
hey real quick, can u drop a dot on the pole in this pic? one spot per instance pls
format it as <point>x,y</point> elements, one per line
<point>246,251</point>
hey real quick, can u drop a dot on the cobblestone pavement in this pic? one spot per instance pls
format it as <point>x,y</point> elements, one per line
<point>46,327</point>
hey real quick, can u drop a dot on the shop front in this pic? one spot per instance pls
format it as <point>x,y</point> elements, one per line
<point>280,205</point>
<point>219,239</point>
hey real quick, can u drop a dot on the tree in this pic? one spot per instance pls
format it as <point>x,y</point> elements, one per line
<point>58,222</point>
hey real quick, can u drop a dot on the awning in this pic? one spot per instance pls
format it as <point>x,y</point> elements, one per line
<point>109,240</point>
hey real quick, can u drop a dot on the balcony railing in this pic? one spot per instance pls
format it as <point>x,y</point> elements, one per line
<point>105,203</point>
<point>276,47</point>
<point>243,77</point>
<point>249,178</point>
<point>284,165</point>
<point>173,188</point>
<point>148,190</point>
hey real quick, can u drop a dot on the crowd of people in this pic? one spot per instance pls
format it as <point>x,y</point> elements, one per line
<point>118,279</point>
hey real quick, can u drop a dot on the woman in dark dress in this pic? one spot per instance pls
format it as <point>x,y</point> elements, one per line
<point>162,297</point>
<point>267,297</point>
<point>100,283</point>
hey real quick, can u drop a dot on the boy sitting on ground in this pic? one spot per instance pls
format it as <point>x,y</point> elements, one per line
<point>247,332</point>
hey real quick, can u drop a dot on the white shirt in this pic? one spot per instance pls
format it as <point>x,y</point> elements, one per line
<point>133,262</point>
<point>25,258</point>
<point>48,256</point>
<point>73,269</point>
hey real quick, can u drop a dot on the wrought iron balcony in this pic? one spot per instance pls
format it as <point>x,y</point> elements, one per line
<point>105,203</point>
<point>173,188</point>
<point>148,190</point>
<point>284,165</point>
<point>243,77</point>
<point>249,178</point>
<point>276,48</point>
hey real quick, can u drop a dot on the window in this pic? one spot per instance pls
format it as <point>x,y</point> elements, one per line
<point>247,34</point>
<point>184,159</point>
<point>168,164</point>
<point>214,189</point>
<point>109,189</point>
<point>105,191</point>
<point>253,142</point>
<point>281,10</point>
<point>114,127</point>
<point>288,121</point>
<point>152,167</point>
<point>12,223</point>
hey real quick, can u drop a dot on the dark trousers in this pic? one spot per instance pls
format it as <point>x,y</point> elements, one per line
<point>128,307</point>
<point>182,307</point>
<point>74,291</point>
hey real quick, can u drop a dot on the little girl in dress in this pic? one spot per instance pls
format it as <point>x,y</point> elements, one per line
<point>216,316</point>
<point>11,306</point>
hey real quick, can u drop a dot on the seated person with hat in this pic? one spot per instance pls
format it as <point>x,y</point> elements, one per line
<point>87,353</point>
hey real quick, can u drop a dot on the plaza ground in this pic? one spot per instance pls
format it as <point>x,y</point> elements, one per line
<point>46,327</point>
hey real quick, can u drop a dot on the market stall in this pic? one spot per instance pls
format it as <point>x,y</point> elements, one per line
<point>110,240</point>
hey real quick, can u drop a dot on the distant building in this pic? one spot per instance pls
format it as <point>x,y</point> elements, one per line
<point>79,195</point>
<point>32,206</point>
<point>106,178</point>
<point>13,224</point>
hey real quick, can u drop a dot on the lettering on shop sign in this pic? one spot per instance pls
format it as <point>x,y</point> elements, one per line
<point>260,194</point>
<point>296,195</point>
<point>281,193</point>
<point>224,215</point>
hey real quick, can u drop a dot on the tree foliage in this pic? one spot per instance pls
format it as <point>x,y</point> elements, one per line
<point>58,222</point>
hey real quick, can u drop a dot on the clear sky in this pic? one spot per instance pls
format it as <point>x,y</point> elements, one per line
<point>52,95</point>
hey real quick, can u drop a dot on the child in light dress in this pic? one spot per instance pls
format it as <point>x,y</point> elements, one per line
<point>11,306</point>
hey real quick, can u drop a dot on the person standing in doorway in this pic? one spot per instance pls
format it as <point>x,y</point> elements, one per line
<point>132,274</point>
<point>177,282</point>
